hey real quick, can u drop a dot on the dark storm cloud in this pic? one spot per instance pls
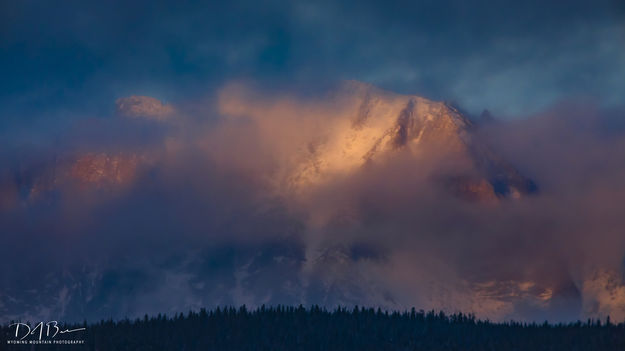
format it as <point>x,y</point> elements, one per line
<point>62,61</point>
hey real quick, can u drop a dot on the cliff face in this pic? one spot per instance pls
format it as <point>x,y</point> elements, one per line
<point>78,173</point>
<point>104,169</point>
<point>377,125</point>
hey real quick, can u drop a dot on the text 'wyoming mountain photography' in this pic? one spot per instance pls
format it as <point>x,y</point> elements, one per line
<point>312,175</point>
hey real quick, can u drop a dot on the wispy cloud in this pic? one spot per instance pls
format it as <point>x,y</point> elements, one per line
<point>214,203</point>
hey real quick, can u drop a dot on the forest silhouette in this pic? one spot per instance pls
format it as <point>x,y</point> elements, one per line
<point>316,328</point>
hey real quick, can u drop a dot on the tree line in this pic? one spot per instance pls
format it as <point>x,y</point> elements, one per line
<point>317,328</point>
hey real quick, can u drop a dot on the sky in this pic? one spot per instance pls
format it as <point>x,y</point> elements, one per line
<point>190,117</point>
<point>61,61</point>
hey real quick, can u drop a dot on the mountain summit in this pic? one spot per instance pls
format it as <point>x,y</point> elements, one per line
<point>372,126</point>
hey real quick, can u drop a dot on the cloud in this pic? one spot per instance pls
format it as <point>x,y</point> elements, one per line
<point>513,58</point>
<point>143,107</point>
<point>233,176</point>
<point>529,259</point>
<point>214,206</point>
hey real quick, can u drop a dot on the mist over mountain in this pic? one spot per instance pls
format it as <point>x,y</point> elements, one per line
<point>354,196</point>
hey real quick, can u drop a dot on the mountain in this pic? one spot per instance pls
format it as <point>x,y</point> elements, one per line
<point>358,129</point>
<point>30,183</point>
<point>375,125</point>
<point>372,126</point>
